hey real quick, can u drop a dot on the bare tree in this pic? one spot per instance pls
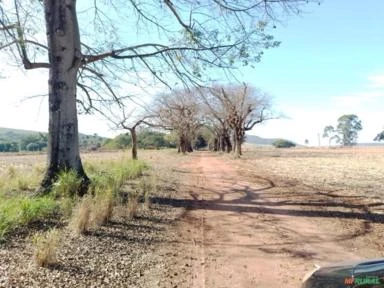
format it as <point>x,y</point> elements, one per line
<point>87,49</point>
<point>179,112</point>
<point>128,121</point>
<point>215,117</point>
<point>132,130</point>
<point>245,107</point>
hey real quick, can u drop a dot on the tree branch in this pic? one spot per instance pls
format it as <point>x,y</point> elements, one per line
<point>161,49</point>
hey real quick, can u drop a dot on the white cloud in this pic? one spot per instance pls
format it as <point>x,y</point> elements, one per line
<point>376,81</point>
<point>308,121</point>
<point>357,100</point>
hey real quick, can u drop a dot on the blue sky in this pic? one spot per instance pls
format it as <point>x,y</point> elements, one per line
<point>330,63</point>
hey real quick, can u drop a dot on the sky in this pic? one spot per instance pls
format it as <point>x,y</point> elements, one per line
<point>330,63</point>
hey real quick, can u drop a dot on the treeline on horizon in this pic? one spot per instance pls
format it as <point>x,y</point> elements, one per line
<point>12,141</point>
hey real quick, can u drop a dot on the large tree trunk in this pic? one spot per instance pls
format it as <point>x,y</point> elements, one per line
<point>65,59</point>
<point>189,146</point>
<point>182,144</point>
<point>238,148</point>
<point>228,143</point>
<point>234,142</point>
<point>134,143</point>
<point>185,144</point>
<point>215,144</point>
<point>222,143</point>
<point>238,141</point>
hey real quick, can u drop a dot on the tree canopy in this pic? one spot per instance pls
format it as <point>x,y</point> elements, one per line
<point>379,137</point>
<point>146,139</point>
<point>227,111</point>
<point>346,131</point>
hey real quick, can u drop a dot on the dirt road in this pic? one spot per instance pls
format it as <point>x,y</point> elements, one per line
<point>238,234</point>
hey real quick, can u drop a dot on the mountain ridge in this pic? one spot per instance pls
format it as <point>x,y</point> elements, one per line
<point>257,140</point>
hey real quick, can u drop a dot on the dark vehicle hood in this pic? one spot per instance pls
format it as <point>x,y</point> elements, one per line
<point>361,273</point>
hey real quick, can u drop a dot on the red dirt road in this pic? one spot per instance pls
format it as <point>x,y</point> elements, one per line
<point>240,235</point>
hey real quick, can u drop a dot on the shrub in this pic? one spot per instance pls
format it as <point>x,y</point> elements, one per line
<point>46,246</point>
<point>282,143</point>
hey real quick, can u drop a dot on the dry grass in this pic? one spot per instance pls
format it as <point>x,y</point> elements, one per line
<point>147,188</point>
<point>102,208</point>
<point>132,205</point>
<point>46,245</point>
<point>163,179</point>
<point>80,220</point>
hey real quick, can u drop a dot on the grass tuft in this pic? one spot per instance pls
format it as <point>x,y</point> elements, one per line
<point>132,205</point>
<point>102,207</point>
<point>46,245</point>
<point>80,219</point>
<point>146,187</point>
<point>11,172</point>
<point>67,184</point>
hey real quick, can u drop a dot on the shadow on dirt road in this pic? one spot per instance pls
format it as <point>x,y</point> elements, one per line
<point>242,233</point>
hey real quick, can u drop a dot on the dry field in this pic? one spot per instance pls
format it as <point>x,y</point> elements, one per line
<point>337,171</point>
<point>340,189</point>
<point>27,161</point>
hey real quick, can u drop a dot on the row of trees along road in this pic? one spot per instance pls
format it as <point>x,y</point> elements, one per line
<point>227,111</point>
<point>90,53</point>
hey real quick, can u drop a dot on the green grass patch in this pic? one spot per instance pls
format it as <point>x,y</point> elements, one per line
<point>19,211</point>
<point>67,184</point>
<point>18,207</point>
<point>111,175</point>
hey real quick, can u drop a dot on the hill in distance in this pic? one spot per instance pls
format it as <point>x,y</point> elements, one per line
<point>14,135</point>
<point>256,140</point>
<point>10,135</point>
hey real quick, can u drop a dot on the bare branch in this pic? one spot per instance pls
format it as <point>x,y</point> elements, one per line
<point>160,49</point>
<point>7,27</point>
